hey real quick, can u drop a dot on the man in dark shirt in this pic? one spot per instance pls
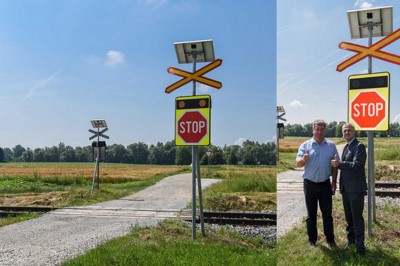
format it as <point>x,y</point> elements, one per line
<point>352,186</point>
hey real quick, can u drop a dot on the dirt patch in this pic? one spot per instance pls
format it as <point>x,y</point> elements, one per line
<point>390,236</point>
<point>32,199</point>
<point>387,172</point>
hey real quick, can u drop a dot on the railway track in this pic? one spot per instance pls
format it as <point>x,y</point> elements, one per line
<point>7,211</point>
<point>387,189</point>
<point>235,218</point>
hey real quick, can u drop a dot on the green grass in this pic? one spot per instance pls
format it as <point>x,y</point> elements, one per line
<point>170,243</point>
<point>387,155</point>
<point>25,184</point>
<point>242,188</point>
<point>20,218</point>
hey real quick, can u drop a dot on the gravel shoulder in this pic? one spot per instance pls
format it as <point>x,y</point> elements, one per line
<point>63,234</point>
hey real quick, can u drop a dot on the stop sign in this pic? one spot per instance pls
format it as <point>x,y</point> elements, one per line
<point>368,110</point>
<point>192,127</point>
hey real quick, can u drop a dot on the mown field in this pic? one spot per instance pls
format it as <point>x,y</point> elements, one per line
<point>383,247</point>
<point>68,184</point>
<point>244,188</point>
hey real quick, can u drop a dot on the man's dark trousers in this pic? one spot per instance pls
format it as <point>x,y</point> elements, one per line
<point>319,193</point>
<point>353,204</point>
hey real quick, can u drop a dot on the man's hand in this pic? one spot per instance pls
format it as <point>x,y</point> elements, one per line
<point>305,157</point>
<point>335,162</point>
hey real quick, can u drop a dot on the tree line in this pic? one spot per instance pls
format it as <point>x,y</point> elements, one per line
<point>334,130</point>
<point>250,153</point>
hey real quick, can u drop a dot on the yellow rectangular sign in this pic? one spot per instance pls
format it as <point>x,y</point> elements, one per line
<point>192,120</point>
<point>368,105</point>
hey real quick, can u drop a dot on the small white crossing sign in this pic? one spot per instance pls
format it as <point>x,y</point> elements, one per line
<point>98,133</point>
<point>280,116</point>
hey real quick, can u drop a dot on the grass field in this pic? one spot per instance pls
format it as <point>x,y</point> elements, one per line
<point>383,247</point>
<point>68,184</point>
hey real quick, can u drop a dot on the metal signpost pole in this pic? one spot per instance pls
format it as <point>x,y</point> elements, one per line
<point>94,177</point>
<point>187,51</point>
<point>96,145</point>
<point>196,174</point>
<point>371,167</point>
<point>98,158</point>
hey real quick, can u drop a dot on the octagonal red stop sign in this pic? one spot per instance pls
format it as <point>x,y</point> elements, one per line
<point>192,127</point>
<point>368,109</point>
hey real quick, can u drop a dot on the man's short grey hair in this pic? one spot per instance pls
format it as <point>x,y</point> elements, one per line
<point>319,122</point>
<point>348,125</point>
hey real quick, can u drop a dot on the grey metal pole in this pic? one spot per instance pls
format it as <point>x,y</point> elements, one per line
<point>193,193</point>
<point>203,232</point>
<point>98,158</point>
<point>94,177</point>
<point>194,165</point>
<point>371,167</point>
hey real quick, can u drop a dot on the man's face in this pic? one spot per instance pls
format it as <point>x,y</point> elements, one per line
<point>348,133</point>
<point>319,132</point>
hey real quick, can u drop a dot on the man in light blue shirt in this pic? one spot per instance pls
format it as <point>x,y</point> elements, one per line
<point>316,155</point>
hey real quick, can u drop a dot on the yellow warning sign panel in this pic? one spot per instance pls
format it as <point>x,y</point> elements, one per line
<point>193,120</point>
<point>368,105</point>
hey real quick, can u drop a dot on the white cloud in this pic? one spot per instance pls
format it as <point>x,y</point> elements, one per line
<point>202,88</point>
<point>240,141</point>
<point>114,58</point>
<point>363,4</point>
<point>296,103</point>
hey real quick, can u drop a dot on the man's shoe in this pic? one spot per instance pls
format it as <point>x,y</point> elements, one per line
<point>333,244</point>
<point>361,252</point>
<point>312,244</point>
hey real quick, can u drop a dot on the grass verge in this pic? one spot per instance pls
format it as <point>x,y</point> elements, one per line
<point>170,243</point>
<point>242,188</point>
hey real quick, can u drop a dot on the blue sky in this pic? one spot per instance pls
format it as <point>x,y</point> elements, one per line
<point>63,63</point>
<point>308,35</point>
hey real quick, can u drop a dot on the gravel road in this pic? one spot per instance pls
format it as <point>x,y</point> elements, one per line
<point>63,234</point>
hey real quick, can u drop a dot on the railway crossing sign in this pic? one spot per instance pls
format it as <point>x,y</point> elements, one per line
<point>192,120</point>
<point>196,76</point>
<point>369,101</point>
<point>374,51</point>
<point>98,134</point>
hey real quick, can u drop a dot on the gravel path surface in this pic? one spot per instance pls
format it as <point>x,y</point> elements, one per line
<point>63,234</point>
<point>291,206</point>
